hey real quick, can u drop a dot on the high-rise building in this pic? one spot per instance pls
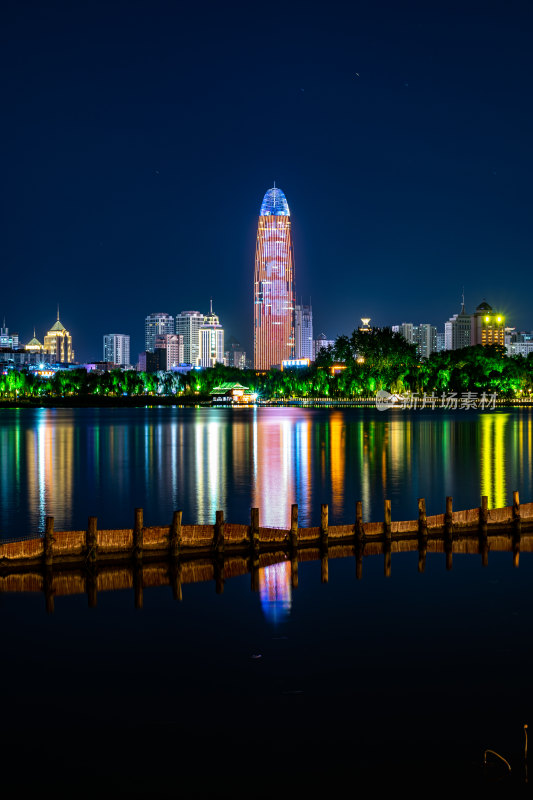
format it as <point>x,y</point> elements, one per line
<point>424,336</point>
<point>274,292</point>
<point>188,324</point>
<point>157,324</point>
<point>58,344</point>
<point>303,332</point>
<point>211,341</point>
<point>172,343</point>
<point>457,331</point>
<point>117,349</point>
<point>408,331</point>
<point>487,327</point>
<point>426,340</point>
<point>8,339</point>
<point>441,341</point>
<point>322,343</point>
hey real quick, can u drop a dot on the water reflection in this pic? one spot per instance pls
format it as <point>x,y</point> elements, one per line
<point>72,463</point>
<point>275,591</point>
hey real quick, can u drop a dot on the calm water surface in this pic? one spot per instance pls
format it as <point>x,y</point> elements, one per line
<point>381,683</point>
<point>72,463</point>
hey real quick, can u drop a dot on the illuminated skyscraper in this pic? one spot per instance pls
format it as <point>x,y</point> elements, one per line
<point>58,344</point>
<point>273,283</point>
<point>157,324</point>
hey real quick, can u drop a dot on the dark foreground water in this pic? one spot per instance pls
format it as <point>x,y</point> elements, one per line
<point>396,683</point>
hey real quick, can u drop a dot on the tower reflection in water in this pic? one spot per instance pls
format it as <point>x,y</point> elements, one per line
<point>275,591</point>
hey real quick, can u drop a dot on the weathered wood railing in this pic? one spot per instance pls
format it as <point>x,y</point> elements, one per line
<point>194,541</point>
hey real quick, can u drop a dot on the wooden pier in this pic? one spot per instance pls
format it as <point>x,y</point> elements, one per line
<point>90,561</point>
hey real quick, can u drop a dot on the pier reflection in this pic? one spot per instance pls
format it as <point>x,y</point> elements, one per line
<point>278,575</point>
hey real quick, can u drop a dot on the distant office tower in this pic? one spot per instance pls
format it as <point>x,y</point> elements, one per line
<point>441,343</point>
<point>58,344</point>
<point>322,343</point>
<point>211,341</point>
<point>408,331</point>
<point>426,340</point>
<point>236,355</point>
<point>273,283</point>
<point>518,343</point>
<point>458,330</point>
<point>157,324</point>
<point>188,324</point>
<point>424,336</point>
<point>172,344</point>
<point>8,339</point>
<point>303,332</point>
<point>117,349</point>
<point>487,327</point>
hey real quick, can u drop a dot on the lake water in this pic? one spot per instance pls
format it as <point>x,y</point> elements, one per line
<point>368,684</point>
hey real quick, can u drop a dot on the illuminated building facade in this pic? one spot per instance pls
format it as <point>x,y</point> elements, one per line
<point>211,341</point>
<point>58,344</point>
<point>458,330</point>
<point>8,339</point>
<point>487,327</point>
<point>117,349</point>
<point>188,324</point>
<point>303,332</point>
<point>322,343</point>
<point>172,345</point>
<point>157,324</point>
<point>274,293</point>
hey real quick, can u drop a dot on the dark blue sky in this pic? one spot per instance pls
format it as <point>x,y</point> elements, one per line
<point>138,139</point>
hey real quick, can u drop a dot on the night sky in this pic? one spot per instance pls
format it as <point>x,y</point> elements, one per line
<point>138,139</point>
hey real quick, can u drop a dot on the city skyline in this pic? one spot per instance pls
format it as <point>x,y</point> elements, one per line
<point>408,172</point>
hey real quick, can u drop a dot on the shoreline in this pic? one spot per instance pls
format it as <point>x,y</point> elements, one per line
<point>203,401</point>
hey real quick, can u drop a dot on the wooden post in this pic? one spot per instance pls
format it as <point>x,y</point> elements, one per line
<point>138,585</point>
<point>516,513</point>
<point>324,525</point>
<point>448,532</point>
<point>387,553</point>
<point>48,541</point>
<point>484,513</point>
<point>219,532</point>
<point>138,536</point>
<point>175,534</point>
<point>49,589</point>
<point>254,569</point>
<point>324,568</point>
<point>387,519</point>
<point>254,529</point>
<point>359,520</point>
<point>92,589</point>
<point>219,575</point>
<point>91,539</point>
<point>294,570</point>
<point>483,519</point>
<point>448,516</point>
<point>422,534</point>
<point>175,579</point>
<point>294,527</point>
<point>359,562</point>
<point>422,518</point>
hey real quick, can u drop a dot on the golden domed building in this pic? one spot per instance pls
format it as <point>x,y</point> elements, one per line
<point>58,343</point>
<point>34,345</point>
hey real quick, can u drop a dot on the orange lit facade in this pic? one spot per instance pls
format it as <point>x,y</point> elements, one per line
<point>487,327</point>
<point>274,292</point>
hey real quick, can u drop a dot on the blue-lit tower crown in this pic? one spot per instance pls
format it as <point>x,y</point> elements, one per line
<point>274,204</point>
